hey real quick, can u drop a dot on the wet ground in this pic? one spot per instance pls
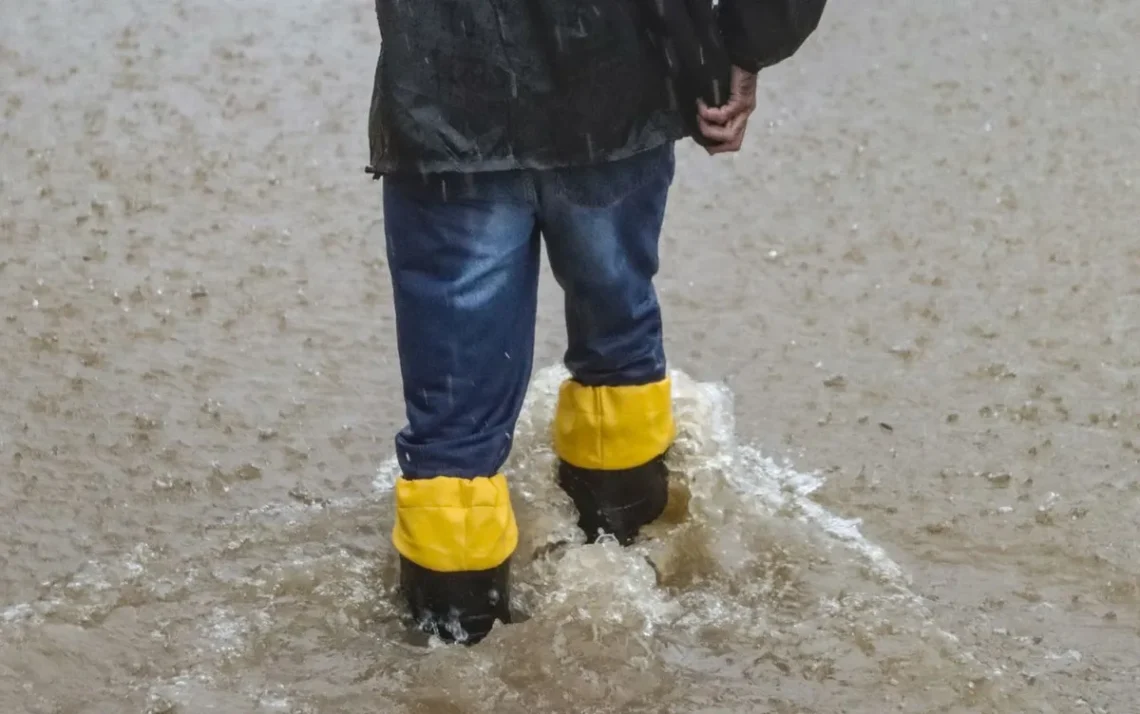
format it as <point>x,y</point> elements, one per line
<point>906,324</point>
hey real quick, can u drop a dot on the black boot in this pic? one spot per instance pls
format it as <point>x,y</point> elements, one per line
<point>616,502</point>
<point>456,607</point>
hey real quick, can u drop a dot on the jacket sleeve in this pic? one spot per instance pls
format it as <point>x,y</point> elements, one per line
<point>761,33</point>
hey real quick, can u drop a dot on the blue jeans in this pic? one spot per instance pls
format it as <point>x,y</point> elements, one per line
<point>464,250</point>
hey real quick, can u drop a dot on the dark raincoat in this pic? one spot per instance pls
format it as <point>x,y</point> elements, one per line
<point>482,85</point>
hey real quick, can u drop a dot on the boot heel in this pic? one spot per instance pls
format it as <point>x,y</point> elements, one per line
<point>457,607</point>
<point>617,503</point>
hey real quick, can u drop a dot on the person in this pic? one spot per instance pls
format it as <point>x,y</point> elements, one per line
<point>499,126</point>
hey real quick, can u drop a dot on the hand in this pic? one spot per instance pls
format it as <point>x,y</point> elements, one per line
<point>725,125</point>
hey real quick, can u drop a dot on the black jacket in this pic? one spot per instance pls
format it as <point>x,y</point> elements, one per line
<point>478,85</point>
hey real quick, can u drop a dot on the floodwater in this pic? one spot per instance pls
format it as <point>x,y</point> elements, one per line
<point>905,323</point>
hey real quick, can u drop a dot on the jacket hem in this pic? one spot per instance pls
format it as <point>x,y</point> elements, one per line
<point>514,163</point>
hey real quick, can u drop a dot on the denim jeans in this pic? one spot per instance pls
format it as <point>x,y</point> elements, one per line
<point>464,256</point>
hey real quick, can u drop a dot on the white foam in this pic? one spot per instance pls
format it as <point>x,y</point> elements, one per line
<point>18,613</point>
<point>707,437</point>
<point>385,479</point>
<point>781,487</point>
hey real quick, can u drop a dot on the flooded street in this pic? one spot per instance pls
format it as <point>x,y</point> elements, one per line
<point>905,322</point>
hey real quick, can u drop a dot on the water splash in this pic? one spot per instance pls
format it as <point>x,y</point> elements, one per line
<point>743,556</point>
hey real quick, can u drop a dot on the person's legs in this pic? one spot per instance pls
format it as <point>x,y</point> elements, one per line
<point>464,254</point>
<point>614,420</point>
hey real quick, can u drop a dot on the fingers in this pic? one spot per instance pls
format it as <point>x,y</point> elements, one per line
<point>715,115</point>
<point>742,100</point>
<point>726,138</point>
<point>726,147</point>
<point>735,107</point>
<point>725,126</point>
<point>716,132</point>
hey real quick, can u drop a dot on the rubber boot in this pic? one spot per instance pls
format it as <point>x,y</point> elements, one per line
<point>455,537</point>
<point>617,503</point>
<point>611,443</point>
<point>456,607</point>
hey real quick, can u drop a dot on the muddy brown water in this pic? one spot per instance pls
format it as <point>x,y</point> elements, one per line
<point>905,323</point>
